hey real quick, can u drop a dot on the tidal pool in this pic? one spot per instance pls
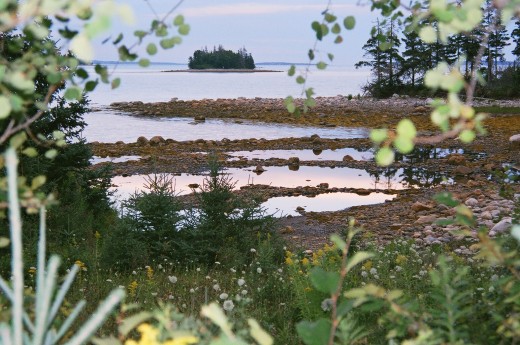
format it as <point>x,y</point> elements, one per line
<point>110,127</point>
<point>286,205</point>
<point>122,159</point>
<point>304,155</point>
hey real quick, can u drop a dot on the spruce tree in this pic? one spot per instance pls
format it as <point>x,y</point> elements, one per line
<point>515,37</point>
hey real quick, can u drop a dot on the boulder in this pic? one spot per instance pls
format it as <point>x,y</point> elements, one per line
<point>456,159</point>
<point>426,219</point>
<point>462,171</point>
<point>419,206</point>
<point>294,161</point>
<point>323,185</point>
<point>259,169</point>
<point>471,202</point>
<point>502,226</point>
<point>142,140</point>
<point>157,140</point>
<point>200,118</point>
<point>287,230</point>
<point>347,158</point>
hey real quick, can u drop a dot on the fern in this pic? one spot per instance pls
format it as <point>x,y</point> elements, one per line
<point>451,305</point>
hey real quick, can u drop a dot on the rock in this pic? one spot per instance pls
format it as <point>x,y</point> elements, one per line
<point>259,169</point>
<point>300,209</point>
<point>396,226</point>
<point>294,167</point>
<point>200,118</point>
<point>200,141</point>
<point>287,230</point>
<point>347,158</point>
<point>294,161</point>
<point>156,140</point>
<point>462,170</point>
<point>426,219</point>
<point>502,226</point>
<point>515,139</point>
<point>142,140</point>
<point>486,215</point>
<point>323,185</point>
<point>418,206</point>
<point>471,202</point>
<point>120,142</point>
<point>315,136</point>
<point>456,159</point>
<point>362,192</point>
<point>193,185</point>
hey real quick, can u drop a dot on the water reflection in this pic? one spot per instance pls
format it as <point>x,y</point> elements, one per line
<point>304,155</point>
<point>324,202</point>
<point>422,154</point>
<point>110,127</point>
<point>122,159</point>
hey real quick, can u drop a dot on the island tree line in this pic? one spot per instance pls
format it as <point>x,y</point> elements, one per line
<point>399,64</point>
<point>221,58</point>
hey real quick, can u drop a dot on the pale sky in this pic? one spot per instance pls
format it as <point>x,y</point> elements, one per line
<point>271,30</point>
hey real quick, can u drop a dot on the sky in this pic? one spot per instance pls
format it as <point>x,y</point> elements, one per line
<point>271,30</point>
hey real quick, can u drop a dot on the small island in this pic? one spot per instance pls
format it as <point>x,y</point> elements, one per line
<point>220,60</point>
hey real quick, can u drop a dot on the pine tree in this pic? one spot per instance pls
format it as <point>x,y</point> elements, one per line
<point>515,37</point>
<point>414,55</point>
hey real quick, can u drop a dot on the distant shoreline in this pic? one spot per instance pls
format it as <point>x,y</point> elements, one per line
<point>216,70</point>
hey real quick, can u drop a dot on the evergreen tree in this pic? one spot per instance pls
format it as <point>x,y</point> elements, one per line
<point>221,58</point>
<point>515,37</point>
<point>414,57</point>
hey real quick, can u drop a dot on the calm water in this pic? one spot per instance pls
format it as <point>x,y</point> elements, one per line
<point>152,85</point>
<point>304,155</point>
<point>109,127</point>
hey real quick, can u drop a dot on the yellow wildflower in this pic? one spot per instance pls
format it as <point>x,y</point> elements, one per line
<point>149,272</point>
<point>132,288</point>
<point>305,262</point>
<point>400,259</point>
<point>81,265</point>
<point>97,235</point>
<point>367,265</point>
<point>149,337</point>
<point>308,289</point>
<point>289,261</point>
<point>32,270</point>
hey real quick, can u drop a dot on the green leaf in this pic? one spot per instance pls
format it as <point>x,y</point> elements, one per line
<point>118,39</point>
<point>38,181</point>
<point>314,333</point>
<point>336,29</point>
<point>261,336</point>
<point>378,135</point>
<point>321,65</point>
<point>428,34</point>
<point>445,199</point>
<point>115,83</point>
<point>291,71</point>
<point>515,232</point>
<point>385,156</point>
<point>330,56</point>
<point>130,323</point>
<point>73,93</point>
<point>339,242</point>
<point>5,107</point>
<point>358,258</point>
<point>82,47</point>
<point>338,40</point>
<point>330,18</point>
<point>90,85</point>
<point>403,145</point>
<point>406,129</point>
<point>217,316</point>
<point>140,34</point>
<point>467,136</point>
<point>179,20</point>
<point>17,140</point>
<point>324,281</point>
<point>311,54</point>
<point>317,28</point>
<point>30,152</point>
<point>184,29</point>
<point>344,308</point>
<point>151,49</point>
<point>300,79</point>
<point>51,154</point>
<point>349,22</point>
<point>4,242</point>
<point>144,62</point>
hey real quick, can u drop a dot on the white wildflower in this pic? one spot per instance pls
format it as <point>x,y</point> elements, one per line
<point>154,294</point>
<point>326,304</point>
<point>172,279</point>
<point>259,269</point>
<point>244,292</point>
<point>398,268</point>
<point>216,287</point>
<point>223,295</point>
<point>134,273</point>
<point>192,290</point>
<point>241,282</point>
<point>170,296</point>
<point>364,274</point>
<point>228,305</point>
<point>373,271</point>
<point>253,250</point>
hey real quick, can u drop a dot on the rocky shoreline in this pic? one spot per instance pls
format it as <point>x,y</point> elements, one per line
<point>412,213</point>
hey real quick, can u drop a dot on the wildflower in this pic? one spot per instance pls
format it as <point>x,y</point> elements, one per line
<point>243,292</point>
<point>134,273</point>
<point>109,280</point>
<point>216,287</point>
<point>97,235</point>
<point>132,288</point>
<point>149,336</point>
<point>172,279</point>
<point>373,271</point>
<point>307,289</point>
<point>192,290</point>
<point>160,266</point>
<point>259,269</point>
<point>326,304</point>
<point>154,294</point>
<point>368,265</point>
<point>81,265</point>
<point>149,272</point>
<point>228,305</point>
<point>398,268</point>
<point>253,250</point>
<point>198,269</point>
<point>494,277</point>
<point>223,295</point>
<point>208,277</point>
<point>217,263</point>
<point>376,276</point>
<point>280,270</point>
<point>364,274</point>
<point>289,261</point>
<point>400,259</point>
<point>305,261</point>
<point>121,286</point>
<point>241,282</point>
<point>32,270</point>
<point>233,270</point>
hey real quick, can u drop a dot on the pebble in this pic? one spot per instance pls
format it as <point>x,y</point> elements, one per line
<point>502,226</point>
<point>471,202</point>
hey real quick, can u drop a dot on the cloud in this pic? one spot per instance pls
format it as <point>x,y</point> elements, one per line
<point>256,8</point>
